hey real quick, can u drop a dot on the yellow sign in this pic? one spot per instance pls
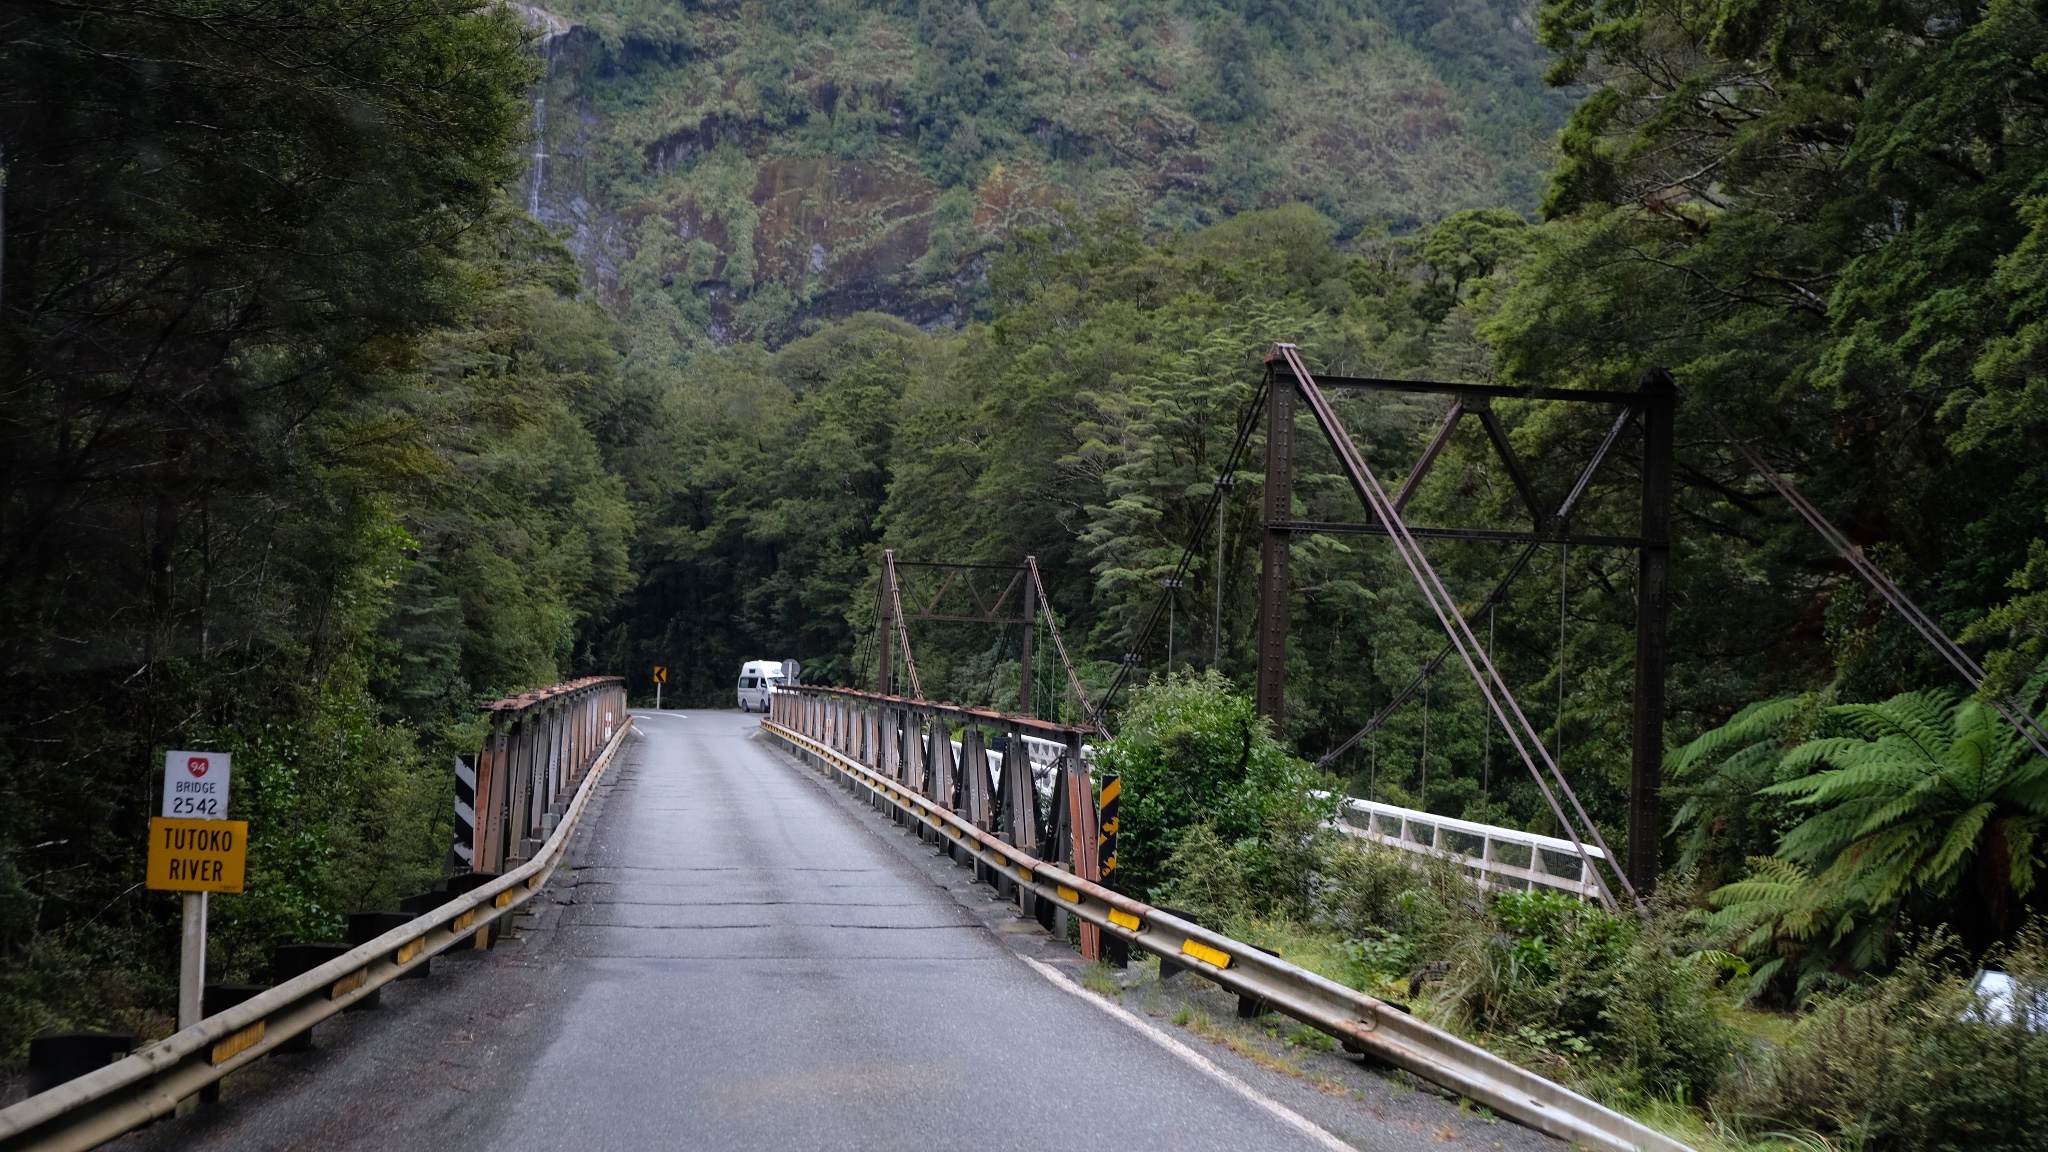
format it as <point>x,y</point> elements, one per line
<point>661,673</point>
<point>197,855</point>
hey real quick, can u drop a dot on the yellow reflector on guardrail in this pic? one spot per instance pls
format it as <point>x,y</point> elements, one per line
<point>240,1042</point>
<point>463,921</point>
<point>1206,954</point>
<point>1024,874</point>
<point>1123,919</point>
<point>410,949</point>
<point>504,898</point>
<point>345,985</point>
<point>1069,895</point>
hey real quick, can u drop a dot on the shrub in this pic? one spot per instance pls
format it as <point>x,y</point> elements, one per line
<point>1618,998</point>
<point>1224,823</point>
<point>1192,753</point>
<point>1915,1060</point>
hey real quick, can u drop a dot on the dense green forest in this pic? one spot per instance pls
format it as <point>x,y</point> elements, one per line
<point>736,172</point>
<point>369,359</point>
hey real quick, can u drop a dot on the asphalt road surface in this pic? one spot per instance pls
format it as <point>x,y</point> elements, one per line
<point>739,955</point>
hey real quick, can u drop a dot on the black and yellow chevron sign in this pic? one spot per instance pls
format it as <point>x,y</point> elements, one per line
<point>1105,839</point>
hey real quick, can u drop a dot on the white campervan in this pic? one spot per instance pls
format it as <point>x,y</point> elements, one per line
<point>756,678</point>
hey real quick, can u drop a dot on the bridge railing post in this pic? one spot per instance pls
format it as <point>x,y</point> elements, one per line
<point>539,747</point>
<point>1081,805</point>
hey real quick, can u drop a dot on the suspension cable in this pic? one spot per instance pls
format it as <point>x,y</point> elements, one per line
<point>1493,598</point>
<point>1052,625</point>
<point>1246,424</point>
<point>902,629</point>
<point>1964,664</point>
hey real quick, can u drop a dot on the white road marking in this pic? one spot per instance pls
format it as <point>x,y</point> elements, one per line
<point>1286,1115</point>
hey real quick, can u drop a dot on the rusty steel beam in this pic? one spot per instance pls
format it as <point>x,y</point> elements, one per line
<point>1027,658</point>
<point>1500,589</point>
<point>1492,687</point>
<point>1429,454</point>
<point>1653,580</point>
<point>895,592</point>
<point>1052,628</point>
<point>1274,550</point>
<point>1477,391</point>
<point>885,679</point>
<point>1656,403</point>
<point>1526,487</point>
<point>1033,600</point>
<point>1479,535</point>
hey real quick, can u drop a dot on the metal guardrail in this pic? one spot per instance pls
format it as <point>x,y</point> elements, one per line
<point>1361,1022</point>
<point>911,742</point>
<point>129,1093</point>
<point>1501,858</point>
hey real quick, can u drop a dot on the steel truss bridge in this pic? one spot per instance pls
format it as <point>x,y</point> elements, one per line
<point>687,929</point>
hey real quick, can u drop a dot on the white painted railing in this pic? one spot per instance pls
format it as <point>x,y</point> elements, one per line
<point>1504,858</point>
<point>1044,755</point>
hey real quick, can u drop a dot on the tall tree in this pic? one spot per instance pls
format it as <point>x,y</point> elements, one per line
<point>228,226</point>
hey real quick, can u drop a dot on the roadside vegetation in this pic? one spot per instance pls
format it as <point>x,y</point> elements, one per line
<point>1651,1014</point>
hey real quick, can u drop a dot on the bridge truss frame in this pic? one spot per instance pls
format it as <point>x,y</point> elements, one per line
<point>1288,379</point>
<point>892,620</point>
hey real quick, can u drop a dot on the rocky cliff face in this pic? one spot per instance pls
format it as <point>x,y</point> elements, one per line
<point>732,172</point>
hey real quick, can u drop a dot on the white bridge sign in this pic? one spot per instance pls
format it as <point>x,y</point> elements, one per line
<point>196,785</point>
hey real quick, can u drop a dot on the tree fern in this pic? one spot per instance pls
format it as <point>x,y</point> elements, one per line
<point>1721,818</point>
<point>1930,807</point>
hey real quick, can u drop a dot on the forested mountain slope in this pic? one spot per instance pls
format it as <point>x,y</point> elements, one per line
<point>733,171</point>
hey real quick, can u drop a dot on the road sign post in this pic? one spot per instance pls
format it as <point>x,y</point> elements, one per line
<point>195,849</point>
<point>660,678</point>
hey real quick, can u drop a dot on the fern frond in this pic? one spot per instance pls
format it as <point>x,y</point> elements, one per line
<point>2022,834</point>
<point>1760,977</point>
<point>1763,721</point>
<point>1818,754</point>
<point>1922,718</point>
<point>1897,812</point>
<point>1956,847</point>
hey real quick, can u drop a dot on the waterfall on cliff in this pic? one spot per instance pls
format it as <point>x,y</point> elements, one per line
<point>540,156</point>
